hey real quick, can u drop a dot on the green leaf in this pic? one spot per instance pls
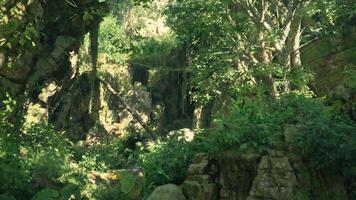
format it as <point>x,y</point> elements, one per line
<point>127,183</point>
<point>6,197</point>
<point>70,191</point>
<point>46,194</point>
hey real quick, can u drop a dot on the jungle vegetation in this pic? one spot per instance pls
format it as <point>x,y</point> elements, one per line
<point>93,86</point>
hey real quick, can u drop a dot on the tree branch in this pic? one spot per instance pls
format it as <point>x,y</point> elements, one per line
<point>132,111</point>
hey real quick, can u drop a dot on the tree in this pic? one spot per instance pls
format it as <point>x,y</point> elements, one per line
<point>256,33</point>
<point>249,46</point>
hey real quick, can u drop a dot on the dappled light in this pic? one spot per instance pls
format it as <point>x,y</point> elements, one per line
<point>177,100</point>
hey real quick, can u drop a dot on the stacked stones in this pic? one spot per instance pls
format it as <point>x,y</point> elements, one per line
<point>200,183</point>
<point>275,178</point>
<point>236,174</point>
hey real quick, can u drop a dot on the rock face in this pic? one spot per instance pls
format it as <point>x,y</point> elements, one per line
<point>167,192</point>
<point>278,175</point>
<point>236,174</point>
<point>275,178</point>
<point>201,183</point>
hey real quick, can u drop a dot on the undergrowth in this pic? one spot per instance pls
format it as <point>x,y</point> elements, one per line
<point>45,164</point>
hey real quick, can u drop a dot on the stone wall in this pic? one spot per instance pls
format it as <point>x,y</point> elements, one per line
<point>277,175</point>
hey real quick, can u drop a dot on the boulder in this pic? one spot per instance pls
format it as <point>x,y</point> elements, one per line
<point>275,178</point>
<point>167,192</point>
<point>196,190</point>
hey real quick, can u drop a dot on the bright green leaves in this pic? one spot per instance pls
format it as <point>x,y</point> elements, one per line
<point>323,137</point>
<point>211,29</point>
<point>46,194</point>
<point>19,26</point>
<point>69,192</point>
<point>113,43</point>
<point>128,182</point>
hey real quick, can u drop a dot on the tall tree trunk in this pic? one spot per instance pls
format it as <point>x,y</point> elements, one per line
<point>3,59</point>
<point>296,60</point>
<point>95,87</point>
<point>267,79</point>
<point>292,51</point>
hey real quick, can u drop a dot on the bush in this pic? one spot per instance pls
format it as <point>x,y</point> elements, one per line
<point>14,174</point>
<point>166,162</point>
<point>326,139</point>
<point>248,124</point>
<point>32,159</point>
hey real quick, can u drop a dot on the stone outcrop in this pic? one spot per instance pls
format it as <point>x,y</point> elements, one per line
<point>236,174</point>
<point>201,183</point>
<point>277,175</point>
<point>275,178</point>
<point>167,192</point>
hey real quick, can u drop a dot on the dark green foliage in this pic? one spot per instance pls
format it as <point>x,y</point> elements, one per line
<point>167,162</point>
<point>325,137</point>
<point>208,29</point>
<point>13,170</point>
<point>250,125</point>
<point>46,194</point>
<point>209,40</point>
<point>111,152</point>
<point>113,41</point>
<point>110,194</point>
<point>153,52</point>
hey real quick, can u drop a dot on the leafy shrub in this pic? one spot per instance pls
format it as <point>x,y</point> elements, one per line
<point>166,162</point>
<point>326,138</point>
<point>116,153</point>
<point>46,194</point>
<point>66,193</point>
<point>112,40</point>
<point>42,136</point>
<point>32,159</point>
<point>14,174</point>
<point>249,124</point>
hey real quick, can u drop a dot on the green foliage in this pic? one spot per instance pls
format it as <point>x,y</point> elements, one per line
<point>206,25</point>
<point>46,194</point>
<point>325,138</point>
<point>248,125</point>
<point>41,163</point>
<point>42,136</point>
<point>166,162</point>
<point>13,170</point>
<point>154,51</point>
<point>7,197</point>
<point>113,41</point>
<point>66,193</point>
<point>69,192</point>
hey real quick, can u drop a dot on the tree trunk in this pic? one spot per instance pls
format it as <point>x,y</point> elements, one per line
<point>296,60</point>
<point>133,112</point>
<point>95,87</point>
